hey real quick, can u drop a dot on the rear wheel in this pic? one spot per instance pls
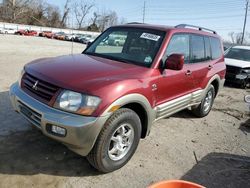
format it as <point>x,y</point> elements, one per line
<point>117,141</point>
<point>206,104</point>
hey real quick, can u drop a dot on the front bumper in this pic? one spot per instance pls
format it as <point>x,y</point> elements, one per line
<point>82,131</point>
<point>239,78</point>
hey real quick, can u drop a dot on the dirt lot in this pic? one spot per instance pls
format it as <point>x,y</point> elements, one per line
<point>221,141</point>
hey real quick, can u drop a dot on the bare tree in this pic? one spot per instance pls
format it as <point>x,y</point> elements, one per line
<point>65,13</point>
<point>32,12</point>
<point>81,10</point>
<point>238,38</point>
<point>231,35</point>
<point>107,19</point>
<point>16,8</point>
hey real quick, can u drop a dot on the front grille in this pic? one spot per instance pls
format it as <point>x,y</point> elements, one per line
<point>233,70</point>
<point>40,89</point>
<point>33,116</point>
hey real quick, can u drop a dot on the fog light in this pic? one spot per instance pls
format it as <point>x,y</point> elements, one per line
<point>58,130</point>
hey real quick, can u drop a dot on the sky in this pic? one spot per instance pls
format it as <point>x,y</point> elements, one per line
<point>223,16</point>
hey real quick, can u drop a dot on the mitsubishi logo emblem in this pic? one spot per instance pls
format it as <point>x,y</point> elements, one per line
<point>35,85</point>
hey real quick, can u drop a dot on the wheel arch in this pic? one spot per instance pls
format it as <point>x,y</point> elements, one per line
<point>216,82</point>
<point>140,105</point>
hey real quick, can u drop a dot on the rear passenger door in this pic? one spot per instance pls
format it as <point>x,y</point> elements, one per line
<point>200,59</point>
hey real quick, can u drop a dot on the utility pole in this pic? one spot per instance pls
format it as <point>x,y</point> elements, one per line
<point>144,11</point>
<point>245,21</point>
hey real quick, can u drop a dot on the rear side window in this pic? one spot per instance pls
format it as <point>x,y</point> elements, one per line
<point>207,48</point>
<point>198,49</point>
<point>179,44</point>
<point>216,48</point>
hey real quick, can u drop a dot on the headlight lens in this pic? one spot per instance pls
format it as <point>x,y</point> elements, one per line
<point>20,77</point>
<point>76,102</point>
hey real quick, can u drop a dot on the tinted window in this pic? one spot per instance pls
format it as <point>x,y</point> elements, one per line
<point>198,49</point>
<point>178,44</point>
<point>207,48</point>
<point>129,45</point>
<point>240,54</point>
<point>216,48</point>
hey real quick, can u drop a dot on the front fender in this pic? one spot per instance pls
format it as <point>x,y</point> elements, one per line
<point>134,98</point>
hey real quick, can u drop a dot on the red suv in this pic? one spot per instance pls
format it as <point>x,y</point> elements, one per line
<point>101,102</point>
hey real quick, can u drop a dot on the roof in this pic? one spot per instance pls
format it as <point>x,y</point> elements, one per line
<point>167,28</point>
<point>242,47</point>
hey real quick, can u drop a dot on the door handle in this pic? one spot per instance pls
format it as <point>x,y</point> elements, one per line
<point>210,67</point>
<point>188,73</point>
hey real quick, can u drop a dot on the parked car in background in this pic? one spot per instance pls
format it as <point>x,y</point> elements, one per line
<point>116,40</point>
<point>237,60</point>
<point>77,37</point>
<point>7,31</point>
<point>87,40</point>
<point>26,32</point>
<point>49,35</point>
<point>102,102</point>
<point>45,33</point>
<point>59,36</point>
<point>82,37</point>
<point>70,37</point>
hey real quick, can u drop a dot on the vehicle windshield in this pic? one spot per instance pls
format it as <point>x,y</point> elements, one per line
<point>129,45</point>
<point>239,54</point>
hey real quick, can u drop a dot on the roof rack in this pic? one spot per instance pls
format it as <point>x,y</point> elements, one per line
<point>197,27</point>
<point>134,23</point>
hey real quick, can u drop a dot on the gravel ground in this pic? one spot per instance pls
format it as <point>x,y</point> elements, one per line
<point>220,141</point>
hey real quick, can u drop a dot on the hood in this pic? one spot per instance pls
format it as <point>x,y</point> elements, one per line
<point>237,63</point>
<point>83,73</point>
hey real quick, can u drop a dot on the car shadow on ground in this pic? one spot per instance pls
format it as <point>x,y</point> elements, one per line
<point>245,126</point>
<point>187,114</point>
<point>218,170</point>
<point>28,152</point>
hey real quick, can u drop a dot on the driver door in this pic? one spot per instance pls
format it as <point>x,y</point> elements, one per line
<point>175,84</point>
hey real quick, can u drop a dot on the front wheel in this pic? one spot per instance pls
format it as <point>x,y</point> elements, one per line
<point>117,141</point>
<point>206,104</point>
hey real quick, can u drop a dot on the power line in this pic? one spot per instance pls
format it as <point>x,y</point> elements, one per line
<point>200,18</point>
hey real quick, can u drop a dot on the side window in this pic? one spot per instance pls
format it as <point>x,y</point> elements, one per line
<point>178,44</point>
<point>207,48</point>
<point>198,49</point>
<point>216,47</point>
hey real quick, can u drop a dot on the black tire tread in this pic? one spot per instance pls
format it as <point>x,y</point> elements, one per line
<point>94,156</point>
<point>198,110</point>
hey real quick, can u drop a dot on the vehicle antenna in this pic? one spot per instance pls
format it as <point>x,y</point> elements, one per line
<point>72,39</point>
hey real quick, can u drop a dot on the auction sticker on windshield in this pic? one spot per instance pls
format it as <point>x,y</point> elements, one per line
<point>150,36</point>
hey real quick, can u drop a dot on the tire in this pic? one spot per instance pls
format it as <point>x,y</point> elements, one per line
<point>206,104</point>
<point>104,156</point>
<point>243,84</point>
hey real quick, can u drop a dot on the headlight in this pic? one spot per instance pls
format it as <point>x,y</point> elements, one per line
<point>20,77</point>
<point>76,102</point>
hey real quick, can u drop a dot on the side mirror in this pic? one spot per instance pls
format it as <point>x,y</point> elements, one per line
<point>174,62</point>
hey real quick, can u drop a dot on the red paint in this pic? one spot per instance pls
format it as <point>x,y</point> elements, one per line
<point>26,32</point>
<point>111,80</point>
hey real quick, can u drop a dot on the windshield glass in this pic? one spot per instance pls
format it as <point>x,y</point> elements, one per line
<point>130,45</point>
<point>239,54</point>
